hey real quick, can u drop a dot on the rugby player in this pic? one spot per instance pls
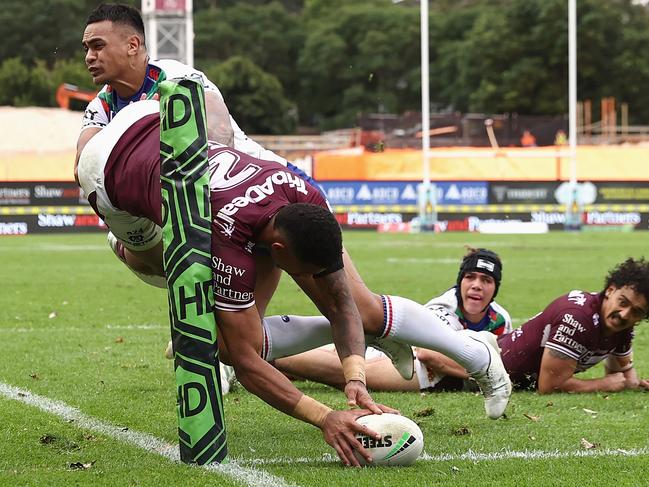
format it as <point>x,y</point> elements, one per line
<point>574,333</point>
<point>117,58</point>
<point>468,305</point>
<point>119,170</point>
<point>116,54</point>
<point>580,329</point>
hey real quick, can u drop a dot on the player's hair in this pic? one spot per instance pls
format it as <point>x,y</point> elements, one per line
<point>632,273</point>
<point>313,234</point>
<point>118,13</point>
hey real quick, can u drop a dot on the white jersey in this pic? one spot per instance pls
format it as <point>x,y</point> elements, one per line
<point>101,110</point>
<point>496,319</point>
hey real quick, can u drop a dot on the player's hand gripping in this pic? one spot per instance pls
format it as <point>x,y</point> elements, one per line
<point>340,429</point>
<point>614,382</point>
<point>357,396</point>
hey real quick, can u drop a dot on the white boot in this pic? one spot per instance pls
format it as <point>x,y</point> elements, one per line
<point>400,354</point>
<point>493,379</point>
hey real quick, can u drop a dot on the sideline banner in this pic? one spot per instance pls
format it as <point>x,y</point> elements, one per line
<point>402,192</point>
<point>41,193</point>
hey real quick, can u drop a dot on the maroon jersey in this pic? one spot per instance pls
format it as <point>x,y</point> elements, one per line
<point>570,325</point>
<point>245,194</point>
<point>132,172</point>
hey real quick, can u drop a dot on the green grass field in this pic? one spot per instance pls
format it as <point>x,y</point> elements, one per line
<point>76,327</point>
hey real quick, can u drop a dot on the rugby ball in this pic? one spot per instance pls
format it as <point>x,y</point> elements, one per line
<point>401,440</point>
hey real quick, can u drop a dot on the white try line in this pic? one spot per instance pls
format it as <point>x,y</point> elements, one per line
<point>43,247</point>
<point>234,470</point>
<point>83,328</point>
<point>472,456</point>
<point>421,260</point>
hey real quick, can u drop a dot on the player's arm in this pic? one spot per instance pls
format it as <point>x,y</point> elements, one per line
<point>440,365</point>
<point>241,334</point>
<point>147,262</point>
<point>332,294</point>
<point>83,139</point>
<point>219,128</point>
<point>557,375</point>
<point>624,364</point>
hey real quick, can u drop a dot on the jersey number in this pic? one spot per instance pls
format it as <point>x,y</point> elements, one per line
<point>222,165</point>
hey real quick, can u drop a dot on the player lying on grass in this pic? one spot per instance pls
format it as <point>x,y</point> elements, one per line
<point>468,305</point>
<point>265,216</point>
<point>574,333</point>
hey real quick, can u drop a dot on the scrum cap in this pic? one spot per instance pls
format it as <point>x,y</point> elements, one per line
<point>484,261</point>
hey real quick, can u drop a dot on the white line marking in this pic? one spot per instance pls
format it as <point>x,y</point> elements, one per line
<point>137,327</point>
<point>53,248</point>
<point>423,260</point>
<point>234,469</point>
<point>86,328</point>
<point>476,456</point>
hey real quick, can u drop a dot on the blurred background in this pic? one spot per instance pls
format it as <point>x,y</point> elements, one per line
<point>336,87</point>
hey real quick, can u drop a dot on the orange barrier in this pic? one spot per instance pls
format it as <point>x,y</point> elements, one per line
<point>66,92</point>
<point>37,166</point>
<point>594,163</point>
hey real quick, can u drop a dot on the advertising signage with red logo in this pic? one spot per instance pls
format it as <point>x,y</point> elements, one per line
<point>60,193</point>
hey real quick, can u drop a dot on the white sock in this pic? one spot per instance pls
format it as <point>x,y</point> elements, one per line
<point>289,335</point>
<point>409,322</point>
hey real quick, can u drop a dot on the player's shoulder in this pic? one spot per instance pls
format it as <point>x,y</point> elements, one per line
<point>447,300</point>
<point>171,67</point>
<point>577,299</point>
<point>500,310</point>
<point>578,309</point>
<point>176,69</point>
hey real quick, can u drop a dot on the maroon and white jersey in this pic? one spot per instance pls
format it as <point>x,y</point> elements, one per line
<point>245,194</point>
<point>120,167</point>
<point>117,171</point>
<point>570,325</point>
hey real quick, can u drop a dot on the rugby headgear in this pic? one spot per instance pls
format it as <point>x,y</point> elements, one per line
<point>484,261</point>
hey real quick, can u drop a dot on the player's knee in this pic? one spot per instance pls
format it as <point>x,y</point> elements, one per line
<point>370,308</point>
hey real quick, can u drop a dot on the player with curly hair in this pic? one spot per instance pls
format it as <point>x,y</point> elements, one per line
<point>580,329</point>
<point>574,333</point>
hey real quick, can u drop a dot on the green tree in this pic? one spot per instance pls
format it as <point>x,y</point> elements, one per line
<point>267,34</point>
<point>44,29</point>
<point>359,58</point>
<point>14,76</point>
<point>255,98</point>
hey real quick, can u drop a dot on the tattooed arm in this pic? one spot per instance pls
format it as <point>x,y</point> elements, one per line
<point>332,295</point>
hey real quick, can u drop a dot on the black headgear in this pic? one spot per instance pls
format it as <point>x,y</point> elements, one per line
<point>484,261</point>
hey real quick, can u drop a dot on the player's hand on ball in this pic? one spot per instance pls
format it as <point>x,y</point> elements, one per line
<point>357,396</point>
<point>339,431</point>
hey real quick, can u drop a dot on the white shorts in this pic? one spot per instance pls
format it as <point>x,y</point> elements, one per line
<point>136,233</point>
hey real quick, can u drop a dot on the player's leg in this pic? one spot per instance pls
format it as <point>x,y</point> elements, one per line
<point>323,365</point>
<point>406,321</point>
<point>318,365</point>
<point>440,365</point>
<point>137,265</point>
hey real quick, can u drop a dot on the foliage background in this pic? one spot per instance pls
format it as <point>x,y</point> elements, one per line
<point>323,62</point>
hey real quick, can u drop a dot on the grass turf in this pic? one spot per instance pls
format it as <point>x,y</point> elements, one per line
<point>76,326</point>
